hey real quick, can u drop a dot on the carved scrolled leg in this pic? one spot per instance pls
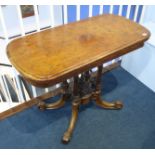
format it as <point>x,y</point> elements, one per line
<point>67,135</point>
<point>75,109</point>
<point>105,104</point>
<point>58,104</point>
<point>97,95</point>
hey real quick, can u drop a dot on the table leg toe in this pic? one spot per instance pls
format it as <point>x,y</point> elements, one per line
<point>109,105</point>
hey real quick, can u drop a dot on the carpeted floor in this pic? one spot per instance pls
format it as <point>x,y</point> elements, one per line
<point>131,127</point>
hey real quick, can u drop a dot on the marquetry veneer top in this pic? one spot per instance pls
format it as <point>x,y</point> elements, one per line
<point>50,56</point>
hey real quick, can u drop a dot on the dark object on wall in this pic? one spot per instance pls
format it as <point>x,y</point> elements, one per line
<point>27,10</point>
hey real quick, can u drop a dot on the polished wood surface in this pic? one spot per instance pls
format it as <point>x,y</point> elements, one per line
<point>53,55</point>
<point>47,57</point>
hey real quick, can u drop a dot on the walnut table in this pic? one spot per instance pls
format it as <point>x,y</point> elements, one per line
<point>57,54</point>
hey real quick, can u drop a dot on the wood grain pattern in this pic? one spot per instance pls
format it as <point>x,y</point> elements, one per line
<point>48,57</point>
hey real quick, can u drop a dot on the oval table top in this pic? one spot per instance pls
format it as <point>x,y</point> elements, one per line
<point>53,55</point>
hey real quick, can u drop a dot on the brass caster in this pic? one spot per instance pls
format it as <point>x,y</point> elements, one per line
<point>41,106</point>
<point>66,138</point>
<point>118,105</point>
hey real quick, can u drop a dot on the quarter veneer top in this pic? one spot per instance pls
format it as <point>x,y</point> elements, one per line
<point>50,56</point>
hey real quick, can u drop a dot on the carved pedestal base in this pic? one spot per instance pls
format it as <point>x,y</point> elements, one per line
<point>85,89</point>
<point>85,100</point>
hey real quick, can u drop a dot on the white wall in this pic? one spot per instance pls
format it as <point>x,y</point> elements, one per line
<point>141,62</point>
<point>149,14</point>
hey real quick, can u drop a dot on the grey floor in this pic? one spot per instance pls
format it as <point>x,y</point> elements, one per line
<point>131,127</point>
